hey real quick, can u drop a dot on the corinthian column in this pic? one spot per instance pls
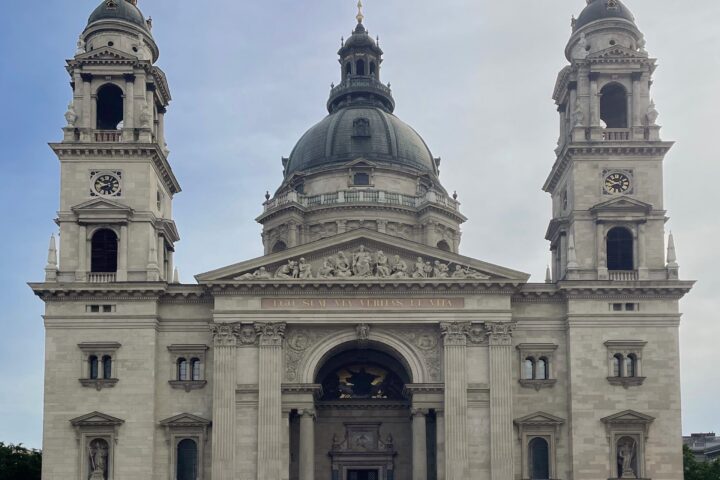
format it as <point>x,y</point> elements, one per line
<point>456,454</point>
<point>270,336</point>
<point>501,405</point>
<point>224,384</point>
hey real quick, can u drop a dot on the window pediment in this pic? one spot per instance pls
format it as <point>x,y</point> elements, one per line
<point>185,420</point>
<point>622,205</point>
<point>96,419</point>
<point>102,210</point>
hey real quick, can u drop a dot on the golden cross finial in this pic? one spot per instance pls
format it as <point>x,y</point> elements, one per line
<point>360,17</point>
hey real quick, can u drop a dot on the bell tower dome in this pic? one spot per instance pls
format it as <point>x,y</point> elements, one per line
<point>361,167</point>
<point>606,183</point>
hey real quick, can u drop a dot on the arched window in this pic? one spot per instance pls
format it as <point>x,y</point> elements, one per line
<point>104,252</point>
<point>279,246</point>
<point>109,107</point>
<point>631,365</point>
<point>182,369</point>
<point>187,460</point>
<point>541,369</point>
<point>373,69</point>
<point>107,367</point>
<point>613,106</point>
<point>348,68</point>
<point>93,367</point>
<point>539,460</point>
<point>195,369</point>
<point>620,249</point>
<point>361,179</point>
<point>443,245</point>
<point>528,368</point>
<point>360,67</point>
<point>617,365</point>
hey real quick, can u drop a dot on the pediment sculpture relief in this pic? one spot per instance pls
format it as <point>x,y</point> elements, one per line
<point>363,264</point>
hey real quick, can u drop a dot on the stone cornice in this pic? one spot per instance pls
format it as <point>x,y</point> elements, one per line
<point>628,148</point>
<point>117,291</point>
<point>596,290</point>
<point>123,152</point>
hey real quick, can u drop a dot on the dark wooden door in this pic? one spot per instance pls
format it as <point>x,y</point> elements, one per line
<point>363,475</point>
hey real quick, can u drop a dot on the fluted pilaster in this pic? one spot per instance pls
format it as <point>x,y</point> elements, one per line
<point>270,336</point>
<point>224,412</point>
<point>456,453</point>
<point>501,405</point>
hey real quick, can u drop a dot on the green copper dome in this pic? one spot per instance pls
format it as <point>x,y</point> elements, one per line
<point>119,10</point>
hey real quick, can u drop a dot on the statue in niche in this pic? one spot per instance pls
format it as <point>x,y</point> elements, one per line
<point>583,47</point>
<point>399,268</point>
<point>361,263</point>
<point>626,455</point>
<point>304,270</point>
<point>71,115</point>
<point>98,451</point>
<point>419,268</point>
<point>382,266</point>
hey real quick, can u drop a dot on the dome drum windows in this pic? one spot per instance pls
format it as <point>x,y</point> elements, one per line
<point>537,365</point>
<point>625,362</point>
<point>188,372</point>
<point>98,366</point>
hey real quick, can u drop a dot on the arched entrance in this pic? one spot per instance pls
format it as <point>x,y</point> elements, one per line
<point>363,428</point>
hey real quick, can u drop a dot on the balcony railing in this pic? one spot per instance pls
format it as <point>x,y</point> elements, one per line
<point>623,275</point>
<point>363,196</point>
<point>95,277</point>
<point>108,136</point>
<point>616,134</point>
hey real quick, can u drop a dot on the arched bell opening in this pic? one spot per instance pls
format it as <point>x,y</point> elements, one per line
<point>110,107</point>
<point>614,106</point>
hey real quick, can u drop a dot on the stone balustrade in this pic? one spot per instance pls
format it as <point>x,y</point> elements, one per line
<point>95,277</point>
<point>108,136</point>
<point>623,275</point>
<point>616,134</point>
<point>362,196</point>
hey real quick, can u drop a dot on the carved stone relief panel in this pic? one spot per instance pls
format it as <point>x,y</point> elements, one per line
<point>426,341</point>
<point>298,341</point>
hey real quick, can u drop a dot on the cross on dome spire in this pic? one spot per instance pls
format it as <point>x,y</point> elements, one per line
<point>360,17</point>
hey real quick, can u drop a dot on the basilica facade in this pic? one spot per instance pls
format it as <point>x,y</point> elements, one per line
<point>362,345</point>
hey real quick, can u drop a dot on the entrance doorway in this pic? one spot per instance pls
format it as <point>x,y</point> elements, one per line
<point>363,475</point>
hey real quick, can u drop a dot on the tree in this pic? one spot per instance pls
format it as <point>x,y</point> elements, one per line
<point>19,463</point>
<point>695,470</point>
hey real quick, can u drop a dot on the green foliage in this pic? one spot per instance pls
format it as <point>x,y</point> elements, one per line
<point>695,470</point>
<point>19,463</point>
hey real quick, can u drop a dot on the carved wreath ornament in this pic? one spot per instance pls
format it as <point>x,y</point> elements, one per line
<point>366,265</point>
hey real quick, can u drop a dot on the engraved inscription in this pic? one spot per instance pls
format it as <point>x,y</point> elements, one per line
<point>362,303</point>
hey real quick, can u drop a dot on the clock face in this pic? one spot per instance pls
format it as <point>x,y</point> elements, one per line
<point>617,183</point>
<point>107,184</point>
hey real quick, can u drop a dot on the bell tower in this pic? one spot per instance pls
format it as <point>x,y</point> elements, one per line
<point>607,181</point>
<point>115,214</point>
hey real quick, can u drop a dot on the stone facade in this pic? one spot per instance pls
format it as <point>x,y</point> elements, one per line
<point>362,345</point>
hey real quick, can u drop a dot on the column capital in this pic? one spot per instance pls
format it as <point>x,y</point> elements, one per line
<point>224,334</point>
<point>270,334</point>
<point>499,333</point>
<point>419,412</point>
<point>455,333</point>
<point>307,413</point>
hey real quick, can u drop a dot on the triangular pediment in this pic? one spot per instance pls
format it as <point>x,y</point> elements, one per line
<point>625,204</point>
<point>96,419</point>
<point>105,54</point>
<point>361,162</point>
<point>362,255</point>
<point>628,417</point>
<point>102,204</point>
<point>539,418</point>
<point>185,420</point>
<point>617,51</point>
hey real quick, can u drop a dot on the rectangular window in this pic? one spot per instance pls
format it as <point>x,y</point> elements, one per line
<point>617,307</point>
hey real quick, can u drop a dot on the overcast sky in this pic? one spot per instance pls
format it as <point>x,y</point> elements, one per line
<point>473,77</point>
